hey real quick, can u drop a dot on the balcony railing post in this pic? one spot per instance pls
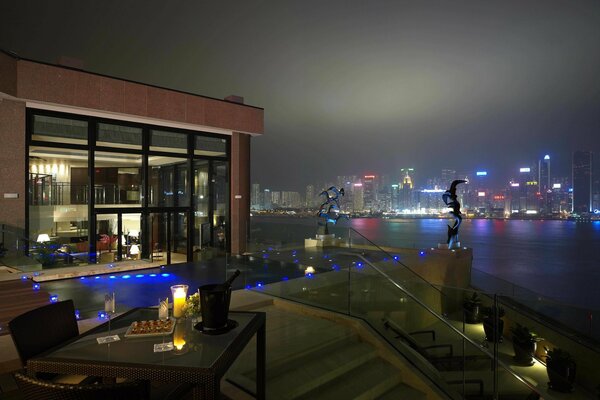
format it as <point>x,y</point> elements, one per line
<point>496,338</point>
<point>349,293</point>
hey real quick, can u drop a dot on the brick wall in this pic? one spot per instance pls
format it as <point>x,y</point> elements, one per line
<point>12,162</point>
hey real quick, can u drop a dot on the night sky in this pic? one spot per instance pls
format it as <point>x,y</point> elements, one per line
<point>354,87</point>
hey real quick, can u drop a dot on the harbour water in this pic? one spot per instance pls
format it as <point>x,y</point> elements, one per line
<point>556,259</point>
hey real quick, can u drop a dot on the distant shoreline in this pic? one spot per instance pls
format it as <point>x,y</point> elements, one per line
<point>412,217</point>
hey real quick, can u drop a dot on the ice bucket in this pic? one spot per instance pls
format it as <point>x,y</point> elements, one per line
<point>214,305</point>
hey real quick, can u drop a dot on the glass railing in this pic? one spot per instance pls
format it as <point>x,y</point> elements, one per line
<point>45,192</point>
<point>435,326</point>
<point>11,241</point>
<point>28,255</point>
<point>578,320</point>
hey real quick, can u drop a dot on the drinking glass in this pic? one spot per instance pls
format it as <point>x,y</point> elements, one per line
<point>109,306</point>
<point>163,309</point>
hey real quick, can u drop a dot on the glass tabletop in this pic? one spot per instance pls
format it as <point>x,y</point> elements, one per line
<point>199,350</point>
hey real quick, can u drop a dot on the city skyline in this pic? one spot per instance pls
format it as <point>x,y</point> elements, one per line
<point>494,178</point>
<point>385,85</point>
<point>532,192</point>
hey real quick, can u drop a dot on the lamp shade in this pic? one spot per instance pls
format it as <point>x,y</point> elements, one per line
<point>44,237</point>
<point>135,249</point>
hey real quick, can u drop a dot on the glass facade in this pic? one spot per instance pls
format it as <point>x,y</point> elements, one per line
<point>168,182</point>
<point>117,179</point>
<point>105,191</point>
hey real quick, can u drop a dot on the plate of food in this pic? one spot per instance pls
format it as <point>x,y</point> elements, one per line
<point>150,328</point>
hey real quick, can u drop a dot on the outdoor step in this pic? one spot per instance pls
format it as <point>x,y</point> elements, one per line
<point>298,360</point>
<point>290,336</point>
<point>403,391</point>
<point>368,381</point>
<point>508,385</point>
<point>290,333</point>
<point>319,370</point>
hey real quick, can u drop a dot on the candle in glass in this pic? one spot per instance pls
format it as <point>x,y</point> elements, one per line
<point>179,295</point>
<point>179,335</point>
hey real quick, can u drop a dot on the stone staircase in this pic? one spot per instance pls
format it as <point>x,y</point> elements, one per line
<point>310,357</point>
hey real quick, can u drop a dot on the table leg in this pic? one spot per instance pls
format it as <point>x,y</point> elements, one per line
<point>261,363</point>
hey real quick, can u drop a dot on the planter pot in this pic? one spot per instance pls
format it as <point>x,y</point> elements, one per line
<point>524,351</point>
<point>472,313</point>
<point>488,327</point>
<point>561,375</point>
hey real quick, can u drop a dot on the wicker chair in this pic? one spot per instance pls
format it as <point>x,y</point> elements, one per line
<point>33,388</point>
<point>41,329</point>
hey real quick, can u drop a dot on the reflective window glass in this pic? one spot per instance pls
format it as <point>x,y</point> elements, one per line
<point>127,137</point>
<point>210,146</point>
<point>168,141</point>
<point>62,130</point>
<point>117,179</point>
<point>58,206</point>
<point>167,181</point>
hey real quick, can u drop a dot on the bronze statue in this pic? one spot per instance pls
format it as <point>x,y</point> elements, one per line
<point>451,201</point>
<point>330,209</point>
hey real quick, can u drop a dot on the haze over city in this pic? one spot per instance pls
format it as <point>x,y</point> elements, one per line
<point>352,87</point>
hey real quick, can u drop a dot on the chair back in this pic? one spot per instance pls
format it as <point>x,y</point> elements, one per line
<point>33,388</point>
<point>41,329</point>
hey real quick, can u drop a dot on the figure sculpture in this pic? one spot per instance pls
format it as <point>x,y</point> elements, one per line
<point>451,200</point>
<point>330,209</point>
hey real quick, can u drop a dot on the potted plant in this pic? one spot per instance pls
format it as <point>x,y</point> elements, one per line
<point>489,314</point>
<point>561,368</point>
<point>191,307</point>
<point>472,308</point>
<point>524,344</point>
<point>44,253</point>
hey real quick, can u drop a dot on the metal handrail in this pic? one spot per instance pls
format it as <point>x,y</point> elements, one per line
<point>443,320</point>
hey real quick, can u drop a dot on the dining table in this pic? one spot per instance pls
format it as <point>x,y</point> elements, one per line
<point>196,357</point>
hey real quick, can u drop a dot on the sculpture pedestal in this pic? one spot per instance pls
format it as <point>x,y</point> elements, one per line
<point>322,241</point>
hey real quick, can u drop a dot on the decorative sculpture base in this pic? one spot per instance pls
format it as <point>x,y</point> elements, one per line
<point>444,246</point>
<point>322,241</point>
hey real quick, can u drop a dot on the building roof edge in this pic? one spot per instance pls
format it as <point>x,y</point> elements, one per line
<point>19,58</point>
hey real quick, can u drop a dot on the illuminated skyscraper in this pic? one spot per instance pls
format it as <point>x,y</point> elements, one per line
<point>544,184</point>
<point>358,197</point>
<point>582,181</point>
<point>529,197</point>
<point>406,189</point>
<point>267,199</point>
<point>255,196</point>
<point>275,199</point>
<point>544,174</point>
<point>369,192</point>
<point>395,197</point>
<point>290,199</point>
